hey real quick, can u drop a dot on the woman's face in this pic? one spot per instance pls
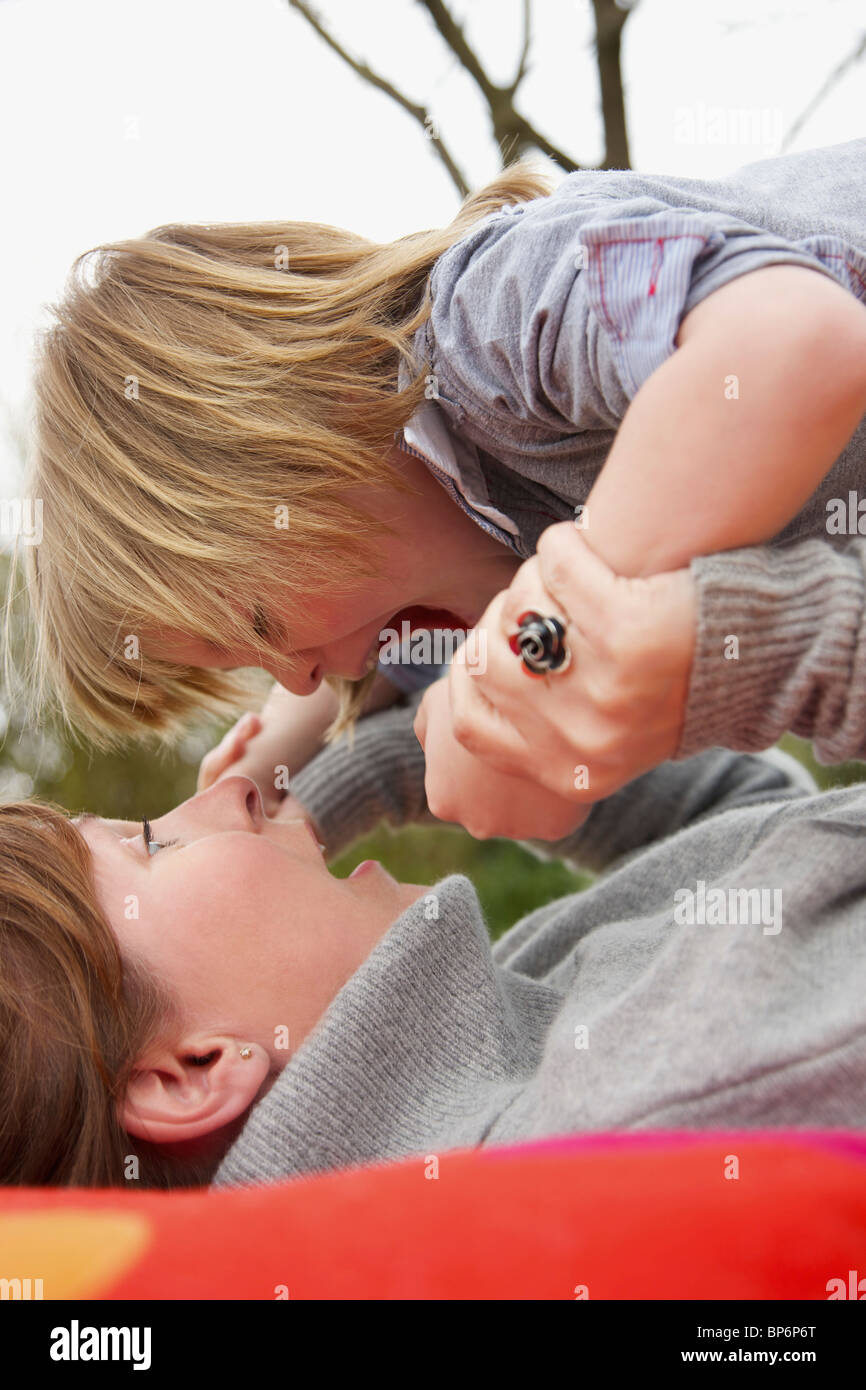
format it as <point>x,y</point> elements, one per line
<point>240,917</point>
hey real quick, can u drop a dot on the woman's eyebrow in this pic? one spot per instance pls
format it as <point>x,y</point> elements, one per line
<point>91,818</point>
<point>88,817</point>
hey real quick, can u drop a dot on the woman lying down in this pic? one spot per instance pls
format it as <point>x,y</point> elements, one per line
<point>216,1007</point>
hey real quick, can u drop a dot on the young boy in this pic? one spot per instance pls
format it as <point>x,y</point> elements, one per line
<point>693,380</point>
<point>678,366</point>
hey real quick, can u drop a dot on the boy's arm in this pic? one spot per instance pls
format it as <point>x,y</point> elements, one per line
<point>727,439</point>
<point>289,732</point>
<point>348,791</point>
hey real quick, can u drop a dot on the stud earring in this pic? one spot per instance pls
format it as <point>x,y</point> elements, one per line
<point>246,1052</point>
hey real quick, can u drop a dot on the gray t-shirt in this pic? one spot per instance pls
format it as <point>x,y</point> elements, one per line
<point>548,317</point>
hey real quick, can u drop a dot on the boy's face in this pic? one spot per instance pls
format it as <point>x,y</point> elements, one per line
<point>341,637</point>
<point>441,571</point>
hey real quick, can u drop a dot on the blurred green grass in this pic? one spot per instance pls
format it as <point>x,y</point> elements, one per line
<point>508,879</point>
<point>841,775</point>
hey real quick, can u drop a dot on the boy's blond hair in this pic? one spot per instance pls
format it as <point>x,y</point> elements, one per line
<point>203,398</point>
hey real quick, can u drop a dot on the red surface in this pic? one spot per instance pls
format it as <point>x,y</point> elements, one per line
<point>628,1216</point>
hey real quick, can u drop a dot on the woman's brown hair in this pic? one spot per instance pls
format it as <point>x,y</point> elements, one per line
<point>74,1016</point>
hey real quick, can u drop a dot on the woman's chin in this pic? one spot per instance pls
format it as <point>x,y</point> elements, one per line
<point>372,877</point>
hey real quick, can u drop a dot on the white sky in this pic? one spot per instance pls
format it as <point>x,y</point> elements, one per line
<point>119,116</point>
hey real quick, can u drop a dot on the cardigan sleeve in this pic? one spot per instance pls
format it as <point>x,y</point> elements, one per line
<point>780,647</point>
<point>355,784</point>
<point>671,797</point>
<point>349,790</point>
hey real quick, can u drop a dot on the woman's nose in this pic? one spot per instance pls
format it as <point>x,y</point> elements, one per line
<point>232,803</point>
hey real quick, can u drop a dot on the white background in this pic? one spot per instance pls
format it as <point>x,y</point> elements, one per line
<point>118,116</point>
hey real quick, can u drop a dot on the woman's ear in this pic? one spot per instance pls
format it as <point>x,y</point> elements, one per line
<point>192,1090</point>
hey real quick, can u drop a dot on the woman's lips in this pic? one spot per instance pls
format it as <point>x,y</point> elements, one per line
<point>314,837</point>
<point>364,867</point>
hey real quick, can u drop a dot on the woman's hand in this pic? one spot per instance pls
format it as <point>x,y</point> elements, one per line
<point>614,713</point>
<point>471,793</point>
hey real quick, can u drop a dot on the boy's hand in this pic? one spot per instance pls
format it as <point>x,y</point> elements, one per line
<point>228,751</point>
<point>281,739</point>
<point>272,746</point>
<point>246,750</point>
<point>231,757</point>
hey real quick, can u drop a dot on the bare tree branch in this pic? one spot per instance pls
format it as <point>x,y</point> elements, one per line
<point>527,39</point>
<point>838,72</point>
<point>420,113</point>
<point>457,41</point>
<point>610,20</point>
<point>513,133</point>
<point>525,137</point>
